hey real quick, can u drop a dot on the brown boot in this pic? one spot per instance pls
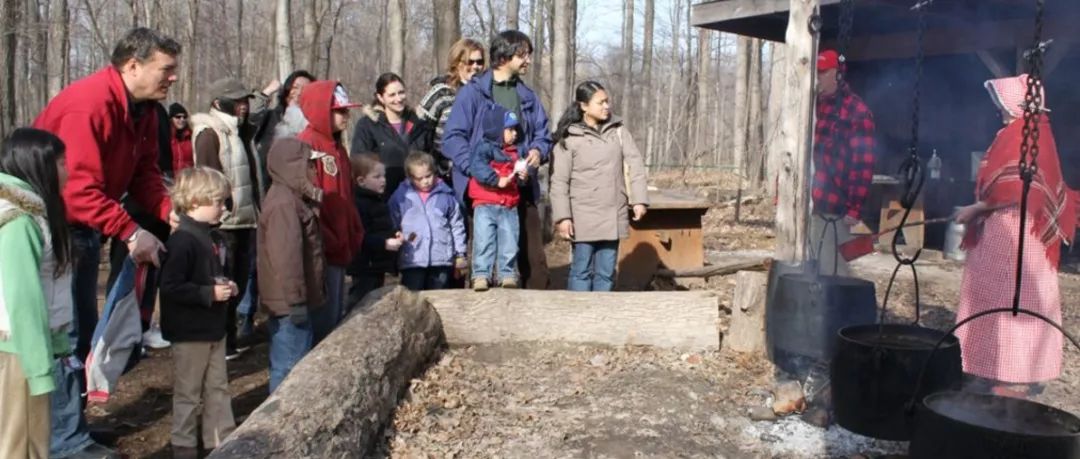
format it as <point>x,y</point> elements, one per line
<point>509,283</point>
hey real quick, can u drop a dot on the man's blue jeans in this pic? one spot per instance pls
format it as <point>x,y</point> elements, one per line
<point>67,429</point>
<point>86,245</point>
<point>289,343</point>
<point>495,242</point>
<point>324,320</point>
<point>593,266</point>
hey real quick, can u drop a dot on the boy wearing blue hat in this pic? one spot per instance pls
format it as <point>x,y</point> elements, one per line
<point>493,189</point>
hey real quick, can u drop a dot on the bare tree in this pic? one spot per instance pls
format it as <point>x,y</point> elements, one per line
<point>704,83</point>
<point>283,45</point>
<point>537,34</point>
<point>192,39</point>
<point>396,27</point>
<point>740,133</point>
<point>240,38</point>
<point>447,29</point>
<point>58,46</point>
<point>9,43</point>
<point>560,57</point>
<point>756,167</point>
<point>646,70</point>
<point>628,55</point>
<point>513,11</point>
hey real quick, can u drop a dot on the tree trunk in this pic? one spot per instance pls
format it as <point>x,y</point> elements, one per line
<point>340,398</point>
<point>628,58</point>
<point>513,12</point>
<point>311,36</point>
<point>396,28</point>
<point>40,50</point>
<point>484,30</point>
<point>646,70</point>
<point>330,39</point>
<point>537,72</point>
<point>8,47</point>
<point>58,46</point>
<point>283,46</point>
<point>793,206</point>
<point>676,74</point>
<point>704,83</point>
<point>240,38</point>
<point>447,30</point>
<point>740,134</point>
<point>192,51</point>
<point>685,320</point>
<point>756,166</point>
<point>560,58</point>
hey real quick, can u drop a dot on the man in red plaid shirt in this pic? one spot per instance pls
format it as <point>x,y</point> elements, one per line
<point>843,162</point>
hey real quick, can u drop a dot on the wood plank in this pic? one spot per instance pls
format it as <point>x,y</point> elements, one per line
<point>747,330</point>
<point>793,206</point>
<point>721,269</point>
<point>684,320</point>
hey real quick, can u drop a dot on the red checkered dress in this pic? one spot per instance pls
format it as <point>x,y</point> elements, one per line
<point>1019,349</point>
<point>843,154</point>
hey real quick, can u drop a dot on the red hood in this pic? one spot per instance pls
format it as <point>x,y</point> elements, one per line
<point>315,102</point>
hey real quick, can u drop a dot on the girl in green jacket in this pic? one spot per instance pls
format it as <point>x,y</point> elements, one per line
<point>35,287</point>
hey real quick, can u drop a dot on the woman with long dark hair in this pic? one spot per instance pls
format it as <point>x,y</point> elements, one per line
<point>265,117</point>
<point>35,287</point>
<point>391,129</point>
<point>598,174</point>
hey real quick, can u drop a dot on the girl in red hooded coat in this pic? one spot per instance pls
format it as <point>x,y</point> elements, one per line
<point>326,107</point>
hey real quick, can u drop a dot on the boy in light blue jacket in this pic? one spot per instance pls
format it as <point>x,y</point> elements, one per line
<point>432,223</point>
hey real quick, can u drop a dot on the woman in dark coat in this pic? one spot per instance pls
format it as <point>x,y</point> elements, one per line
<point>391,129</point>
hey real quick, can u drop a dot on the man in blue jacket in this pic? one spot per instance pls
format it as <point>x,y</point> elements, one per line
<point>511,54</point>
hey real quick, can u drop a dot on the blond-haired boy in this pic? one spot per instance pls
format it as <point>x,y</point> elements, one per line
<point>194,304</point>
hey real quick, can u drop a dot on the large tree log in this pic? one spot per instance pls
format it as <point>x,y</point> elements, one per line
<point>747,330</point>
<point>339,398</point>
<point>687,320</point>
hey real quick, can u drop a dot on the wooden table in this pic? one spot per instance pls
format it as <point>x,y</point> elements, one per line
<point>669,235</point>
<point>885,194</point>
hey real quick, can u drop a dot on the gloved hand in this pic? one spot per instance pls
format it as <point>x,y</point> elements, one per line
<point>298,314</point>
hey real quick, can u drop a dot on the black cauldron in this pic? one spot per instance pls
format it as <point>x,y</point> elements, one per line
<point>874,374</point>
<point>804,312</point>
<point>963,425</point>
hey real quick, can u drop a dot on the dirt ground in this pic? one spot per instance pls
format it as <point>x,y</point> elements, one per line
<point>559,400</point>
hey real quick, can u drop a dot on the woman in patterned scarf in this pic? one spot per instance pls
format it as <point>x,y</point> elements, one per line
<point>1004,354</point>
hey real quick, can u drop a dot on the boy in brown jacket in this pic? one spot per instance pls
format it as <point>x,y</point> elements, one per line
<point>290,254</point>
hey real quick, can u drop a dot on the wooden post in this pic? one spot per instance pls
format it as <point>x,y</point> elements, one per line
<point>792,210</point>
<point>747,330</point>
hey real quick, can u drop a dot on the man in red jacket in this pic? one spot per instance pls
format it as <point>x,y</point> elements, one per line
<point>108,123</point>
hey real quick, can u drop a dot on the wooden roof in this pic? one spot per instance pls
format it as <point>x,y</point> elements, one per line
<point>885,29</point>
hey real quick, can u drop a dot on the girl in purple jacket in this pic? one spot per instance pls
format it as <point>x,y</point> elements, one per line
<point>432,223</point>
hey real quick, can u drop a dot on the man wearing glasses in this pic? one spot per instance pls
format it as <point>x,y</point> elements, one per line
<point>511,54</point>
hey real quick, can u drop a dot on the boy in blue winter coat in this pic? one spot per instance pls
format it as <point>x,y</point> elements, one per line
<point>493,190</point>
<point>432,223</point>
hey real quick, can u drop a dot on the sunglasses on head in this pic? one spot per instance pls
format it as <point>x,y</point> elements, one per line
<point>479,62</point>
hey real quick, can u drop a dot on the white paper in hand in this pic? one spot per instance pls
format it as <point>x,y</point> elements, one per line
<point>520,165</point>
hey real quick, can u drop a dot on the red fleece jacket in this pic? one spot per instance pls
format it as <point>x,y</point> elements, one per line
<point>110,151</point>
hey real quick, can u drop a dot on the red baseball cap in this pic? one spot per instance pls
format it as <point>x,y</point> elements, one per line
<point>341,99</point>
<point>828,60</point>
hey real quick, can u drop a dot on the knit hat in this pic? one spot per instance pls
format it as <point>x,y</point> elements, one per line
<point>176,109</point>
<point>510,120</point>
<point>828,60</point>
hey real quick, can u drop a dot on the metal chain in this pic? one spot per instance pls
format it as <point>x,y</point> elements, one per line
<point>911,170</point>
<point>1029,146</point>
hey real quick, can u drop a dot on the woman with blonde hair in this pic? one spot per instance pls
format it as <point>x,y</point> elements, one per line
<point>466,60</point>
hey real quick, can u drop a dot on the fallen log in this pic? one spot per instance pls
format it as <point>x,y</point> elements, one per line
<point>684,320</point>
<point>722,269</point>
<point>338,400</point>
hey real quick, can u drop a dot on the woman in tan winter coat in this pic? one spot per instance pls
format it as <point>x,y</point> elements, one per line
<point>598,174</point>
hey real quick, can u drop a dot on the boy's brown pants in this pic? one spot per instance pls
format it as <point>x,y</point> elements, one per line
<point>200,378</point>
<point>24,419</point>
